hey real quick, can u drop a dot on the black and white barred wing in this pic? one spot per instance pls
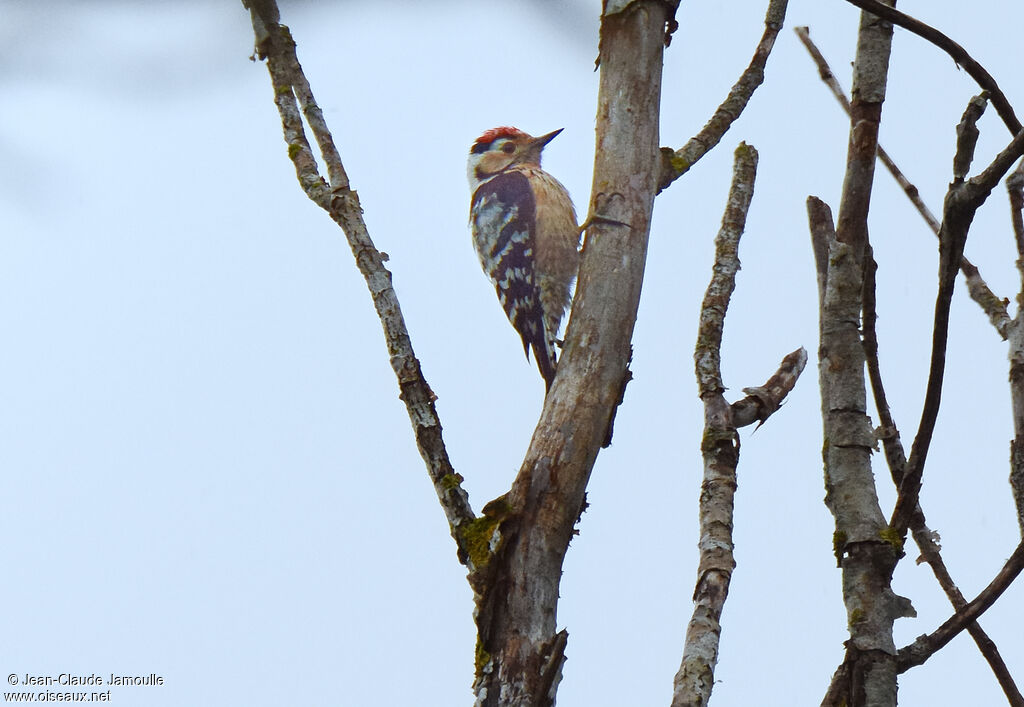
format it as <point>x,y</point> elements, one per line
<point>502,219</point>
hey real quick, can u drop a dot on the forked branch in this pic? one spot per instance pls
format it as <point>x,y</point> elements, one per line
<point>926,646</point>
<point>868,672</point>
<point>957,52</point>
<point>294,99</point>
<point>963,199</point>
<point>926,540</point>
<point>993,306</point>
<point>720,445</point>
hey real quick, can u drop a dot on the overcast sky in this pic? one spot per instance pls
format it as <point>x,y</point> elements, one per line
<point>208,473</point>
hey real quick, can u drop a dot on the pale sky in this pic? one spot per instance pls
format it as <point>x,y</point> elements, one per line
<point>209,475</point>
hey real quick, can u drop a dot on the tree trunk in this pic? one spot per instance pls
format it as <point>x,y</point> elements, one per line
<point>519,652</point>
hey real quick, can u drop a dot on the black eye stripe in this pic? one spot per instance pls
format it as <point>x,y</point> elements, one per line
<point>482,147</point>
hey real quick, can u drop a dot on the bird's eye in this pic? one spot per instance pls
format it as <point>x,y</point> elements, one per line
<point>508,148</point>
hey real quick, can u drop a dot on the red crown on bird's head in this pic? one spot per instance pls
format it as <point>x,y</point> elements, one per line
<point>495,133</point>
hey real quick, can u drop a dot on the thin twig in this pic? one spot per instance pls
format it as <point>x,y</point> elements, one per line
<point>962,201</point>
<point>930,553</point>
<point>291,90</point>
<point>925,646</point>
<point>887,431</point>
<point>952,238</point>
<point>676,163</point>
<point>889,435</point>
<point>957,52</point>
<point>993,306</point>
<point>829,79</point>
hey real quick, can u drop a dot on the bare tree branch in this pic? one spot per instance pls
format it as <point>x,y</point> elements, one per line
<point>930,553</point>
<point>1015,187</point>
<point>516,549</point>
<point>993,306</point>
<point>829,79</point>
<point>870,74</point>
<point>708,355</point>
<point>763,401</point>
<point>839,286</point>
<point>952,238</point>
<point>676,163</point>
<point>823,232</point>
<point>887,431</point>
<point>864,550</point>
<point>926,541</point>
<point>925,646</point>
<point>275,44</point>
<point>860,540</point>
<point>720,446</point>
<point>958,53</point>
<point>962,201</point>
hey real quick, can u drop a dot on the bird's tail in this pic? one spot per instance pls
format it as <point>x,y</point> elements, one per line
<point>546,362</point>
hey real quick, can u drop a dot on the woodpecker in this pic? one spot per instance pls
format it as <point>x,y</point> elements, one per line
<point>525,232</point>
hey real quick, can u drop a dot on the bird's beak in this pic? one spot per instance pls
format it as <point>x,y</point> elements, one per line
<point>540,142</point>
